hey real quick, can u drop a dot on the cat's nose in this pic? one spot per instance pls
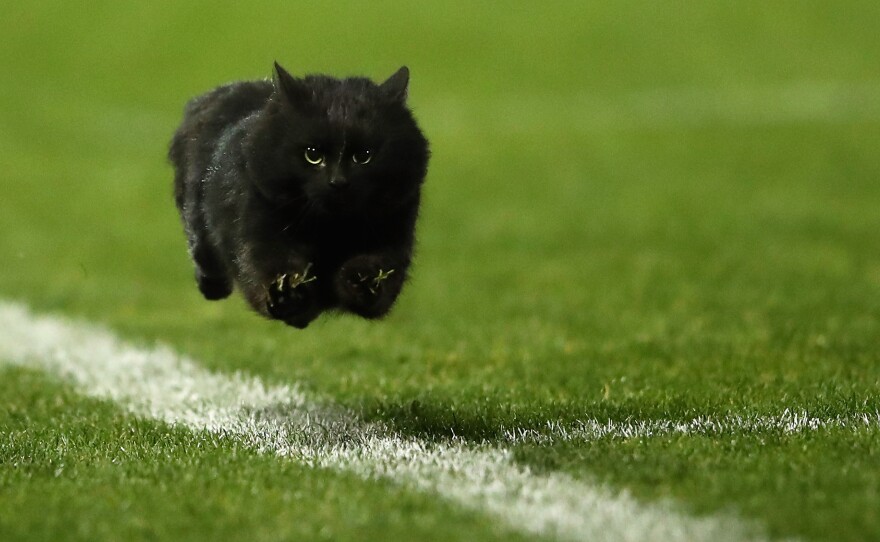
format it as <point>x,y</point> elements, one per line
<point>338,182</point>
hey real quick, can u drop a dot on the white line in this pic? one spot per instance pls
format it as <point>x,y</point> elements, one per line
<point>789,422</point>
<point>757,105</point>
<point>282,420</point>
<point>737,104</point>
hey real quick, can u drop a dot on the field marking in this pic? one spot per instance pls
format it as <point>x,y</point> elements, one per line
<point>659,108</point>
<point>688,106</point>
<point>789,422</point>
<point>282,420</point>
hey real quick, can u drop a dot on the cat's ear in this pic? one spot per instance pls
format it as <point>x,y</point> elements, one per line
<point>289,86</point>
<point>395,87</point>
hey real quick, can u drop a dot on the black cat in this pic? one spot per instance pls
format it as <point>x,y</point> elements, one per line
<point>303,192</point>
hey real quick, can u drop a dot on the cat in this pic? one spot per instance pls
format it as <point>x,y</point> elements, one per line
<point>301,192</point>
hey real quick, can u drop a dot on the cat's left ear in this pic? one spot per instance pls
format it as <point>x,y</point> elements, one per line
<point>395,87</point>
<point>291,87</point>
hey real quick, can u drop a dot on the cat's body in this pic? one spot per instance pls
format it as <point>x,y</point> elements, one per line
<point>303,193</point>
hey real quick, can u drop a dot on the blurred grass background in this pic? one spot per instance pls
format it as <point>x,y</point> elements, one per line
<point>658,192</point>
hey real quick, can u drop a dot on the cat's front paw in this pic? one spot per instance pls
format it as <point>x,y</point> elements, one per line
<point>291,298</point>
<point>368,285</point>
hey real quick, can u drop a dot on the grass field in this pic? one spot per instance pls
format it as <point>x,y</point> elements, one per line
<point>636,212</point>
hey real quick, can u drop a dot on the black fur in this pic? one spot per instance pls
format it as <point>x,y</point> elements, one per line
<point>299,238</point>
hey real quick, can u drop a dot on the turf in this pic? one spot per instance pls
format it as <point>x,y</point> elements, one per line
<point>102,475</point>
<point>633,210</point>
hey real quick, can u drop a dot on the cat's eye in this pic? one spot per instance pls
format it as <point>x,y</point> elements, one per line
<point>314,156</point>
<point>362,157</point>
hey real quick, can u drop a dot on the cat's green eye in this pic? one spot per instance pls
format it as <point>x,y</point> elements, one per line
<point>362,157</point>
<point>314,156</point>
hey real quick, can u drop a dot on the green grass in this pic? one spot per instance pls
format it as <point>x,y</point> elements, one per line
<point>831,475</point>
<point>102,475</point>
<point>570,266</point>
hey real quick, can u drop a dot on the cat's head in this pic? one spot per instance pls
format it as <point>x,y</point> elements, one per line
<point>339,146</point>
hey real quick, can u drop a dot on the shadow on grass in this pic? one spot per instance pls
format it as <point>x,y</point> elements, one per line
<point>433,418</point>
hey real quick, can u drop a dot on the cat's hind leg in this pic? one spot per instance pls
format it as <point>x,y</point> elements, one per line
<point>211,276</point>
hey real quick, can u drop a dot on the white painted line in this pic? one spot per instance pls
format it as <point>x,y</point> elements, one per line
<point>747,105</point>
<point>789,422</point>
<point>739,104</point>
<point>157,383</point>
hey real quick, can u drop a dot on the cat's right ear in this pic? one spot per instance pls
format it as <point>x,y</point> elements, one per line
<point>290,87</point>
<point>395,87</point>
